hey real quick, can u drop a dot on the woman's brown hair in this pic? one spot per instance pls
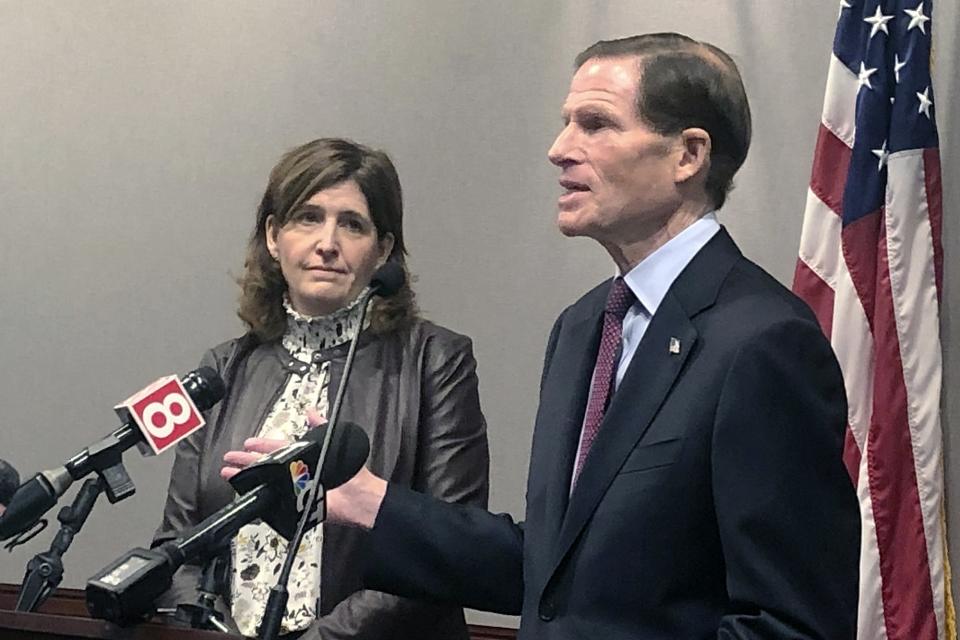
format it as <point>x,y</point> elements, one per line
<point>301,173</point>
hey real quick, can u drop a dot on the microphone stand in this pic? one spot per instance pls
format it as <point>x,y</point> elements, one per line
<point>277,600</point>
<point>203,614</point>
<point>45,570</point>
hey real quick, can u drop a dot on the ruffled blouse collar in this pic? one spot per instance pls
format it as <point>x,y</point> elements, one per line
<point>306,335</point>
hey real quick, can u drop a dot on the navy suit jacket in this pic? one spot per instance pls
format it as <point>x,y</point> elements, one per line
<point>713,503</point>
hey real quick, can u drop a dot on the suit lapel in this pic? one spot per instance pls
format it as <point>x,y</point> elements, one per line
<point>648,380</point>
<point>563,404</point>
<point>652,374</point>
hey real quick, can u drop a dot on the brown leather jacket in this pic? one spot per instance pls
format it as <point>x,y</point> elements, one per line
<point>414,391</point>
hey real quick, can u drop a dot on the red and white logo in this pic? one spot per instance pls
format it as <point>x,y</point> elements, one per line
<point>164,412</point>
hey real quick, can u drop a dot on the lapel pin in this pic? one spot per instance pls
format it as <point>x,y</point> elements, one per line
<point>674,346</point>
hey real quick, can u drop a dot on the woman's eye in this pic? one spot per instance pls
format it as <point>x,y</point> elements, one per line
<point>308,217</point>
<point>354,225</point>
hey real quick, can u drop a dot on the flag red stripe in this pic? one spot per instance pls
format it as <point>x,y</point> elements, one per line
<point>906,590</point>
<point>859,242</point>
<point>931,172</point>
<point>830,163</point>
<point>816,293</point>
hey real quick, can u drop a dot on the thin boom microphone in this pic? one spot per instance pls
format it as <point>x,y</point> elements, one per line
<point>387,281</point>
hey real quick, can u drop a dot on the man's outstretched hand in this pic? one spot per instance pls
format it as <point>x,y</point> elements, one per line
<point>356,502</point>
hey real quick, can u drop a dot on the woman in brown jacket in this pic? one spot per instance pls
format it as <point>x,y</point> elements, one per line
<point>330,216</point>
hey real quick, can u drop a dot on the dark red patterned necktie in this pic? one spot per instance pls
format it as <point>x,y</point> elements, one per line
<point>619,300</point>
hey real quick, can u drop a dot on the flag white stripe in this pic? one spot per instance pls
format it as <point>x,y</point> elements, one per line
<point>853,344</point>
<point>913,285</point>
<point>871,624</point>
<point>821,251</point>
<point>820,240</point>
<point>840,100</point>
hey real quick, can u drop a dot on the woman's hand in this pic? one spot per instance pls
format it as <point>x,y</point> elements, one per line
<point>256,448</point>
<point>253,450</point>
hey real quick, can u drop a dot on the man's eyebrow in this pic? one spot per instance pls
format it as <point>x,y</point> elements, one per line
<point>587,110</point>
<point>591,110</point>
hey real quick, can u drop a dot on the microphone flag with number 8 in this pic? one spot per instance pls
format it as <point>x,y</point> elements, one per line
<point>164,412</point>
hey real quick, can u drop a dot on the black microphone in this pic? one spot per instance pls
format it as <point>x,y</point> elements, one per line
<point>9,481</point>
<point>388,279</point>
<point>38,495</point>
<point>274,490</point>
<point>298,463</point>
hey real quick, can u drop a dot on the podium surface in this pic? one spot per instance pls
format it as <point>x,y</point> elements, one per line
<point>64,617</point>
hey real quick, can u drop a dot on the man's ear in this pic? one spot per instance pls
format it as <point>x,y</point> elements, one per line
<point>385,245</point>
<point>695,154</point>
<point>270,231</point>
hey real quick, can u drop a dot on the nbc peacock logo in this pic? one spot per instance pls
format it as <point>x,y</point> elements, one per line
<point>300,473</point>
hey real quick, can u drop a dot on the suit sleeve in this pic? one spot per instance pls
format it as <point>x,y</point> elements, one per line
<point>424,548</point>
<point>452,466</point>
<point>787,511</point>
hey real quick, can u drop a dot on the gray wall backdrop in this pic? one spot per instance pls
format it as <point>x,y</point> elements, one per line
<point>135,140</point>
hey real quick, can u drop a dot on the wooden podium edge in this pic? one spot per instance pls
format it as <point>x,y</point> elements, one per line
<point>72,603</point>
<point>482,632</point>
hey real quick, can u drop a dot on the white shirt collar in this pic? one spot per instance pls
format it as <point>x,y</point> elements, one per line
<point>652,277</point>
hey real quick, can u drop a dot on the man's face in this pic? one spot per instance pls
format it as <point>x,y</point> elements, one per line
<point>617,174</point>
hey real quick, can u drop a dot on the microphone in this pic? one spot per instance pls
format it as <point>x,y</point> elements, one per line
<point>9,481</point>
<point>274,490</point>
<point>298,462</point>
<point>388,279</point>
<point>159,416</point>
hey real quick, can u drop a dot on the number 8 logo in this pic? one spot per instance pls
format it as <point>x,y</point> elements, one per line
<point>174,411</point>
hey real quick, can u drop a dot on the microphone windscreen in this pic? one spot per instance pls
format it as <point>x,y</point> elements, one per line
<point>9,481</point>
<point>349,448</point>
<point>388,279</point>
<point>31,500</point>
<point>205,387</point>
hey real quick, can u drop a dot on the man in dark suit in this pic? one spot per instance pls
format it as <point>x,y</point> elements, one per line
<point>685,477</point>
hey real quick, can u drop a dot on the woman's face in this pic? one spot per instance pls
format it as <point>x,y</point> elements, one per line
<point>328,250</point>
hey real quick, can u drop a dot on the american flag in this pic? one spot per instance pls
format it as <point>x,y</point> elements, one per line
<point>871,266</point>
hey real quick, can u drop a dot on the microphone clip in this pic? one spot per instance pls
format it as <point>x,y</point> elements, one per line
<point>106,459</point>
<point>26,535</point>
<point>117,483</point>
<point>203,614</point>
